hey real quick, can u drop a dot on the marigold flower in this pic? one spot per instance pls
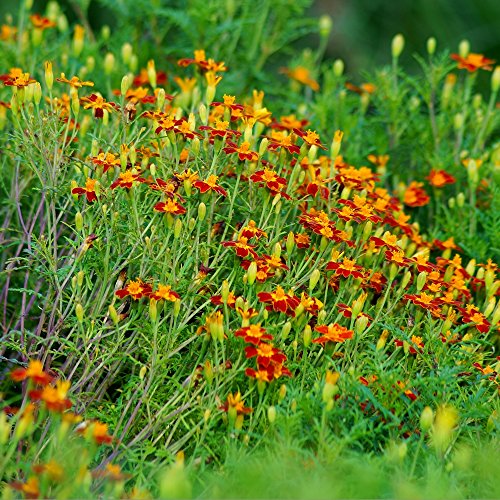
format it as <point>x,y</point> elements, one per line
<point>170,207</point>
<point>270,178</point>
<point>364,88</point>
<point>220,129</point>
<point>279,140</point>
<point>235,403</point>
<point>397,257</point>
<point>74,82</point>
<point>347,268</point>
<point>98,104</point>
<point>253,334</point>
<point>265,353</point>
<point>34,372</point>
<point>439,178</point>
<point>243,249</point>
<point>425,301</point>
<point>279,301</point>
<point>471,314</point>
<point>16,78</point>
<point>473,62</point>
<point>302,75</point>
<point>88,190</point>
<point>310,137</point>
<point>7,32</point>
<point>54,397</point>
<point>200,60</point>
<point>289,122</point>
<point>164,292</point>
<point>41,22</point>
<point>302,240</point>
<point>106,160</point>
<point>136,289</point>
<point>415,196</point>
<point>210,184</point>
<point>252,231</point>
<point>332,333</point>
<point>96,431</point>
<point>126,180</point>
<point>243,151</point>
<point>30,489</point>
<point>407,392</point>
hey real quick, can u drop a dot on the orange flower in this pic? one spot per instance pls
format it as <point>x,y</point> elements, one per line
<point>7,32</point>
<point>253,334</point>
<point>164,292</point>
<point>439,178</point>
<point>310,137</point>
<point>332,333</point>
<point>302,240</point>
<point>415,196</point>
<point>96,431</point>
<point>364,88</point>
<point>302,75</point>
<point>289,122</point>
<point>243,249</point>
<point>98,104</point>
<point>236,404</point>
<point>74,82</point>
<point>252,231</point>
<point>270,178</point>
<point>210,185</point>
<point>136,289</point>
<point>280,140</point>
<point>243,151</point>
<point>34,372</point>
<point>220,129</point>
<point>280,301</point>
<point>200,60</point>
<point>346,269</point>
<point>170,207</point>
<point>54,397</point>
<point>41,22</point>
<point>265,353</point>
<point>17,79</point>
<point>30,489</point>
<point>126,180</point>
<point>88,190</point>
<point>471,314</point>
<point>473,62</point>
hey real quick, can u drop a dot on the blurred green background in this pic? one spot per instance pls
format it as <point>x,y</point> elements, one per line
<point>362,29</point>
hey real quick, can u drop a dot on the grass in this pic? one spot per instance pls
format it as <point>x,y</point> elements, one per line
<point>200,295</point>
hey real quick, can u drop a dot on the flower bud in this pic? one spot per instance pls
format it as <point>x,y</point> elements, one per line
<point>398,44</point>
<point>109,63</point>
<point>490,306</point>
<point>313,279</point>
<point>153,310</point>
<point>79,221</point>
<point>277,250</point>
<point>460,200</point>
<point>78,40</point>
<point>382,340</point>
<point>325,25</point>
<point>458,121</point>
<point>426,419</point>
<point>113,314</point>
<point>49,75</point>
<point>421,280</point>
<point>126,51</point>
<point>202,211</point>
<point>495,80</point>
<point>442,429</point>
<point>125,85</point>
<point>431,45</point>
<point>282,392</point>
<point>307,336</point>
<point>336,143</point>
<point>79,312</point>
<point>37,93</point>
<point>290,243</point>
<point>338,67</point>
<point>271,414</point>
<point>263,146</point>
<point>285,331</point>
<point>360,324</point>
<point>464,48</point>
<point>177,228</point>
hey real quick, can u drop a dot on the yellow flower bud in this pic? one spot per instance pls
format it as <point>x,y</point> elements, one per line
<point>398,44</point>
<point>113,314</point>
<point>313,279</point>
<point>495,80</point>
<point>431,45</point>
<point>79,312</point>
<point>338,67</point>
<point>126,51</point>
<point>153,310</point>
<point>109,63</point>
<point>464,48</point>
<point>271,414</point>
<point>382,340</point>
<point>426,419</point>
